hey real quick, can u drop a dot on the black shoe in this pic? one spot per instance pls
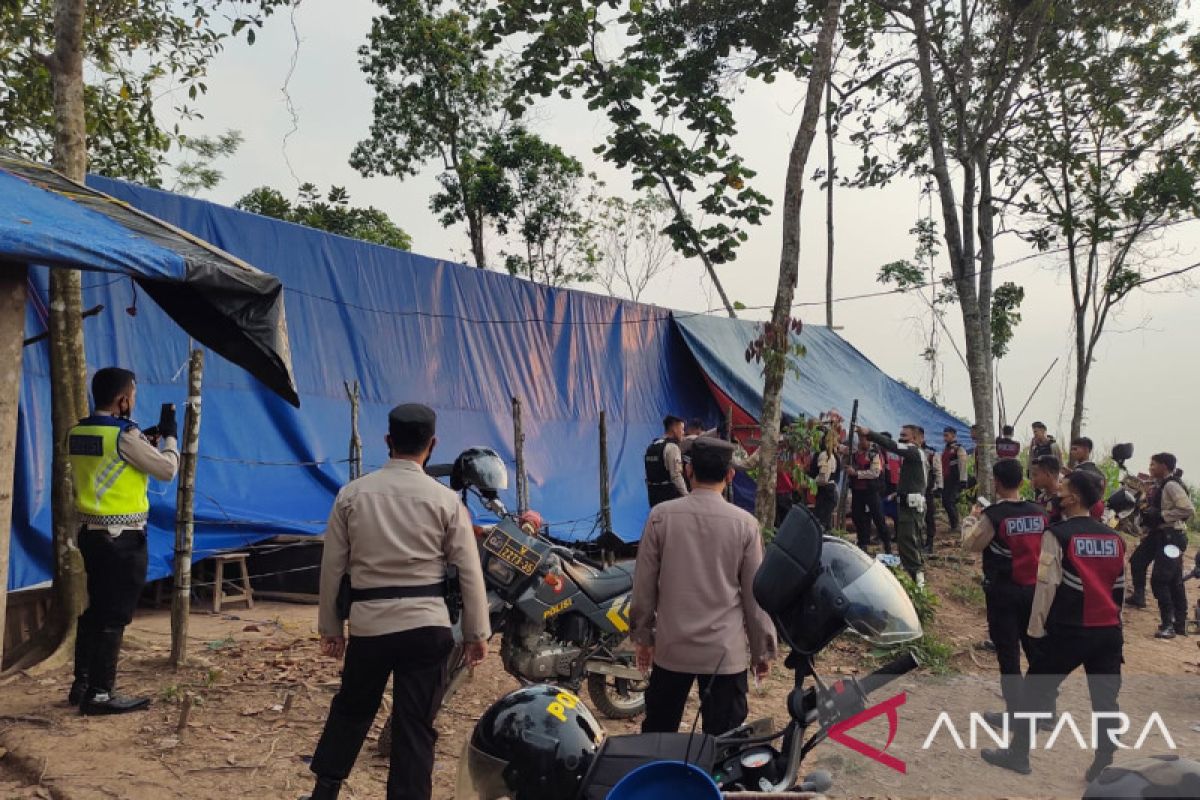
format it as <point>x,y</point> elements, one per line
<point>1046,725</point>
<point>995,719</point>
<point>1181,631</point>
<point>325,789</point>
<point>104,703</point>
<point>1165,633</point>
<point>1007,759</point>
<point>78,690</point>
<point>1101,761</point>
<point>1137,601</point>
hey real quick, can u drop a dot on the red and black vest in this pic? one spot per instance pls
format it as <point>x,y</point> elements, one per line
<point>1093,575</point>
<point>891,469</point>
<point>1007,448</point>
<point>862,463</point>
<point>1017,544</point>
<point>952,470</point>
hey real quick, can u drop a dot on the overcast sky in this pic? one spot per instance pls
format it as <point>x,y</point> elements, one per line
<point>1144,387</point>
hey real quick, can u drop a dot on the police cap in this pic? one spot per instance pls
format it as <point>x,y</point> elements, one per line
<point>712,452</point>
<point>412,414</point>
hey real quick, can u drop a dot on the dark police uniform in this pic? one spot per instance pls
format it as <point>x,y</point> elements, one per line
<point>954,478</point>
<point>1009,535</point>
<point>111,463</point>
<point>865,504</point>
<point>910,520</point>
<point>664,471</point>
<point>1170,508</point>
<point>1077,609</point>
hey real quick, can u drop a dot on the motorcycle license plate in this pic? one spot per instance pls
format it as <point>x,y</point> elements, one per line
<point>511,552</point>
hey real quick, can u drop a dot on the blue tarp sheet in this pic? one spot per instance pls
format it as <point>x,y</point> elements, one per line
<point>833,374</point>
<point>409,328</point>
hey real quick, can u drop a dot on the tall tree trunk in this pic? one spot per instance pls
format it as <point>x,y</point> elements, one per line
<point>789,263</point>
<point>68,368</point>
<point>1082,368</point>
<point>829,168</point>
<point>12,328</point>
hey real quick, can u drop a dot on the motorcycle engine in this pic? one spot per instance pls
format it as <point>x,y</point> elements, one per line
<point>531,652</point>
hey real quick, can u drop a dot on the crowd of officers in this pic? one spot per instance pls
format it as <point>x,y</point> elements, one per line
<point>1054,575</point>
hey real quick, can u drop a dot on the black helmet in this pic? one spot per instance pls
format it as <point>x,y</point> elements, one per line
<point>533,744</point>
<point>1152,777</point>
<point>1121,500</point>
<point>1122,452</point>
<point>817,586</point>
<point>480,467</point>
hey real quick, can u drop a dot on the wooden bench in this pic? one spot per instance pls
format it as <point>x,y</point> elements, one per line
<point>220,597</point>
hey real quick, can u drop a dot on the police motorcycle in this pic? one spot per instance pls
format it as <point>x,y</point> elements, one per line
<point>1128,502</point>
<point>562,616</point>
<point>542,743</point>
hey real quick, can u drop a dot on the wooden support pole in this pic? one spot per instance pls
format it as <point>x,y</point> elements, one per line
<point>605,492</point>
<point>12,331</point>
<point>354,396</point>
<point>729,438</point>
<point>185,498</point>
<point>519,453</point>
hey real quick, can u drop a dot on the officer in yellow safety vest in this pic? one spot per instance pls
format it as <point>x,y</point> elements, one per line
<point>112,463</point>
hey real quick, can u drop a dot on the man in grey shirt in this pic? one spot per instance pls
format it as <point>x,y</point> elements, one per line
<point>394,532</point>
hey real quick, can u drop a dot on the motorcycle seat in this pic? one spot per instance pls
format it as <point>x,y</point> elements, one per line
<point>601,585</point>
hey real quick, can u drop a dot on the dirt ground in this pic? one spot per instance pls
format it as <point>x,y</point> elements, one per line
<point>258,692</point>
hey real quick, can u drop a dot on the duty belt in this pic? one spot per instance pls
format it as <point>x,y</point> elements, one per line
<point>398,592</point>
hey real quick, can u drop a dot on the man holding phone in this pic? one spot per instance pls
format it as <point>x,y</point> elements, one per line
<point>112,463</point>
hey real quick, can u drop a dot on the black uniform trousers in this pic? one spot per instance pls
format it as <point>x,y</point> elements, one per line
<point>116,573</point>
<point>1063,650</point>
<point>930,518</point>
<point>1167,584</point>
<point>417,660</point>
<point>723,704</point>
<point>1142,558</point>
<point>826,502</point>
<point>950,493</point>
<point>1008,610</point>
<point>866,509</point>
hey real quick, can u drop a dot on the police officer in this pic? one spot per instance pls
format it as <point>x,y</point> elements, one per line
<point>1043,444</point>
<point>664,464</point>
<point>693,616</point>
<point>394,532</point>
<point>1077,614</point>
<point>1009,535</point>
<point>112,463</point>
<point>910,495</point>
<point>1168,510</point>
<point>1006,445</point>
<point>954,475</point>
<point>866,474</point>
<point>1045,473</point>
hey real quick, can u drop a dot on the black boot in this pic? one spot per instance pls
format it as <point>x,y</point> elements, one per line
<point>84,647</point>
<point>325,789</point>
<point>101,697</point>
<point>1138,600</point>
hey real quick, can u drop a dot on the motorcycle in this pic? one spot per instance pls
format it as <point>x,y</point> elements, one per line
<point>815,587</point>
<point>1129,501</point>
<point>561,616</point>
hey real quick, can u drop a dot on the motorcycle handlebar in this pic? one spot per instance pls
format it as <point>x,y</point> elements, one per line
<point>574,557</point>
<point>888,673</point>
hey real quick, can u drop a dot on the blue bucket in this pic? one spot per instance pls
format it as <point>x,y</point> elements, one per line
<point>661,780</point>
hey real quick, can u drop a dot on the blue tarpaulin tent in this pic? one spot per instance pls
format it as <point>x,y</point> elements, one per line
<point>409,328</point>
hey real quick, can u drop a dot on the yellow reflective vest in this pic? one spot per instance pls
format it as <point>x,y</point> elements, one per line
<point>108,490</point>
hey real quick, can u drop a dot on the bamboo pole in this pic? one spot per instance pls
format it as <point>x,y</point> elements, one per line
<point>729,438</point>
<point>353,394</point>
<point>519,452</point>
<point>12,330</point>
<point>185,498</point>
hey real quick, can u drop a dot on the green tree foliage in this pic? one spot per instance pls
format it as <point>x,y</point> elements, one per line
<point>332,213</point>
<point>438,98</point>
<point>538,199</point>
<point>1105,155</point>
<point>196,171</point>
<point>134,51</point>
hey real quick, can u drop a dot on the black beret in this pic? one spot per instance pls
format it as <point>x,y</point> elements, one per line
<point>412,414</point>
